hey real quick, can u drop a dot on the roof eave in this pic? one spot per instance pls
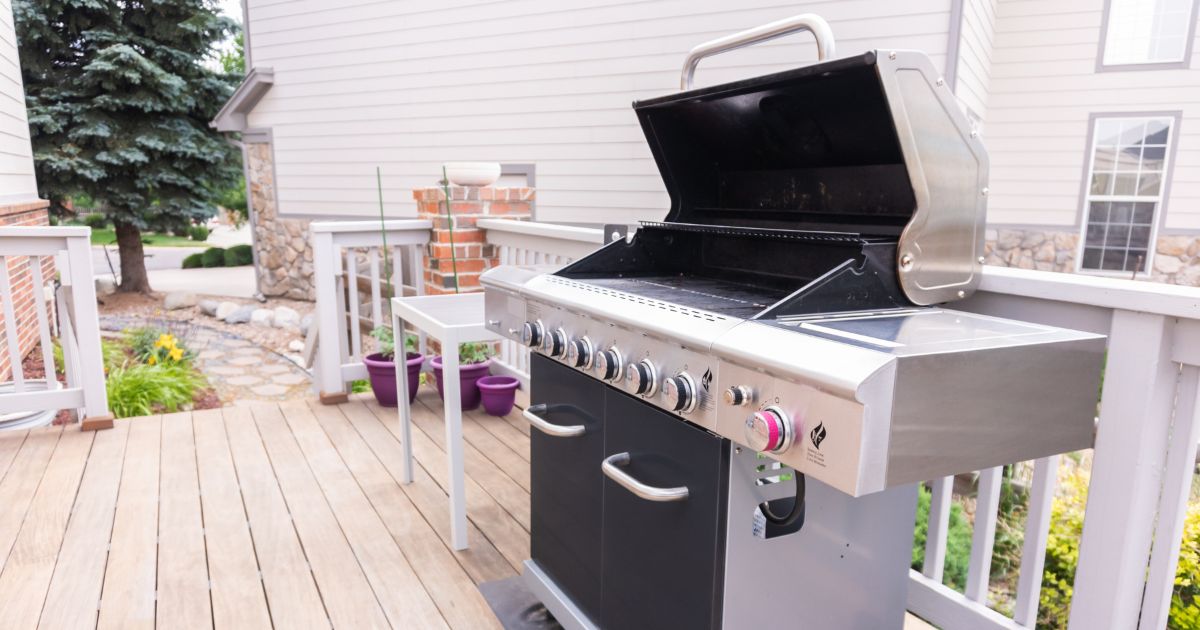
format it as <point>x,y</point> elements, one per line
<point>232,116</point>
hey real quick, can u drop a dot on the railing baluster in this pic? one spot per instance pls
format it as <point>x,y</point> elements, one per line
<point>11,333</point>
<point>43,318</point>
<point>376,298</point>
<point>352,297</point>
<point>1037,531</point>
<point>939,524</point>
<point>987,502</point>
<point>1173,504</point>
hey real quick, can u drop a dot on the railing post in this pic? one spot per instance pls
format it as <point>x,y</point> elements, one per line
<point>87,334</point>
<point>330,386</point>
<point>1131,444</point>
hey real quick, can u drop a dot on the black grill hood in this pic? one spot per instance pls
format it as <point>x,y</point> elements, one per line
<point>813,148</point>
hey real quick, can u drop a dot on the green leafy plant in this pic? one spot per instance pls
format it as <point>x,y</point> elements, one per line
<point>193,261</point>
<point>473,352</point>
<point>96,221</point>
<point>359,386</point>
<point>198,233</point>
<point>387,341</point>
<point>141,389</point>
<point>140,341</point>
<point>958,541</point>
<point>239,255</point>
<point>213,257</point>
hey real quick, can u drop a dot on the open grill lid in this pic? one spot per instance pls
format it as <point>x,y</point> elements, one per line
<point>873,144</point>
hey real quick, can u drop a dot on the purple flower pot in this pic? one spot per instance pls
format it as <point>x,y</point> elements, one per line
<point>498,394</point>
<point>382,373</point>
<point>468,375</point>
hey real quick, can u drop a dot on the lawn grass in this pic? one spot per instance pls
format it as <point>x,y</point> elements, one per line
<point>107,236</point>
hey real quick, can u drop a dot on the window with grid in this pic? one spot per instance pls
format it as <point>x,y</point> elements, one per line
<point>1147,31</point>
<point>1128,166</point>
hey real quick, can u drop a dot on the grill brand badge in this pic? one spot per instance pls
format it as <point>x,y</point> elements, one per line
<point>706,379</point>
<point>818,435</point>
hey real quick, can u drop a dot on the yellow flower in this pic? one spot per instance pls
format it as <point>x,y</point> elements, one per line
<point>153,359</point>
<point>176,354</point>
<point>164,340</point>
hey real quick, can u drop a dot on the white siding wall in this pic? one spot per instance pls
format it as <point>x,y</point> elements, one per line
<point>974,71</point>
<point>406,85</point>
<point>1044,85</point>
<point>16,157</point>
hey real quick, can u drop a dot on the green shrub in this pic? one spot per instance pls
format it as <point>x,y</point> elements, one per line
<point>193,261</point>
<point>958,541</point>
<point>239,255</point>
<point>96,221</point>
<point>1185,601</point>
<point>198,233</point>
<point>141,341</point>
<point>141,390</point>
<point>359,386</point>
<point>213,257</point>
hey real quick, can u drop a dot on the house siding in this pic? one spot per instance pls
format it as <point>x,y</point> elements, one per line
<point>17,183</point>
<point>1043,89</point>
<point>974,69</point>
<point>406,86</point>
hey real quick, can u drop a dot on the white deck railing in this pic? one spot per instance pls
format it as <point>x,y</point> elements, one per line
<point>529,243</point>
<point>29,259</point>
<point>1142,464</point>
<point>341,251</point>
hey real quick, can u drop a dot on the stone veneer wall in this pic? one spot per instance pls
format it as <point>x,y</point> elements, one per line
<point>474,254</point>
<point>1176,257</point>
<point>285,257</point>
<point>23,293</point>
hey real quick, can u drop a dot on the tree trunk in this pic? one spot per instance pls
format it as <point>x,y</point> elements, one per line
<point>133,259</point>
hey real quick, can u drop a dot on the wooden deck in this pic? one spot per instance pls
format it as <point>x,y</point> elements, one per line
<point>274,514</point>
<point>284,514</point>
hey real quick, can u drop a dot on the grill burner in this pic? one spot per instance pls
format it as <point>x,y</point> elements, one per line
<point>740,399</point>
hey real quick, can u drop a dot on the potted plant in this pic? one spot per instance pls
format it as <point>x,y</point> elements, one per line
<point>381,367</point>
<point>498,393</point>
<point>474,363</point>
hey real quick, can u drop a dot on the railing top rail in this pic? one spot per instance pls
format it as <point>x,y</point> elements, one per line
<point>338,227</point>
<point>45,231</point>
<point>547,230</point>
<point>1131,295</point>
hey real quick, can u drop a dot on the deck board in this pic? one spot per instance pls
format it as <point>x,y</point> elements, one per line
<point>183,600</point>
<point>17,489</point>
<point>26,575</point>
<point>237,597</point>
<point>74,595</point>
<point>130,577</point>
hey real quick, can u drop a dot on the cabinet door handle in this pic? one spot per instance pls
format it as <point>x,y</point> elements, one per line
<point>557,430</point>
<point>647,492</point>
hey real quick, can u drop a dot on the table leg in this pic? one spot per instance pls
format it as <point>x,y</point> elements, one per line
<point>402,406</point>
<point>452,385</point>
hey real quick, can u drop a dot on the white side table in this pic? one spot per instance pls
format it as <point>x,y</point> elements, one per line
<point>451,319</point>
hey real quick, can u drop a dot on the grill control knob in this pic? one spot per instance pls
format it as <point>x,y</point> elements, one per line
<point>579,353</point>
<point>769,430</point>
<point>531,334</point>
<point>738,395</point>
<point>555,343</point>
<point>680,392</point>
<point>608,363</point>
<point>641,378</point>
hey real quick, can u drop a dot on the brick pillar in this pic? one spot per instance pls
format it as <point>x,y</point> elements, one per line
<point>473,253</point>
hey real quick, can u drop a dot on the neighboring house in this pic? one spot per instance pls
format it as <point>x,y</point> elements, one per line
<point>19,202</point>
<point>335,91</point>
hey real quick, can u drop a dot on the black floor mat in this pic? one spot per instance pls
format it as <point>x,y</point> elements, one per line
<point>516,607</point>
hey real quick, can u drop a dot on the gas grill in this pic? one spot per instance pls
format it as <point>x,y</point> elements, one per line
<point>734,405</point>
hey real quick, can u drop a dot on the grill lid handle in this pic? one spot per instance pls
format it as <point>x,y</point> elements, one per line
<point>810,22</point>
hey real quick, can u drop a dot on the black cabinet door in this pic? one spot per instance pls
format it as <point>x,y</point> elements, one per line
<point>565,480</point>
<point>663,561</point>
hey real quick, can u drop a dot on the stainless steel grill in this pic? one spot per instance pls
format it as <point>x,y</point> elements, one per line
<point>787,320</point>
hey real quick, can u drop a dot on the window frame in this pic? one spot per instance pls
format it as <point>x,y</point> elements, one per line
<point>1184,63</point>
<point>1160,211</point>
